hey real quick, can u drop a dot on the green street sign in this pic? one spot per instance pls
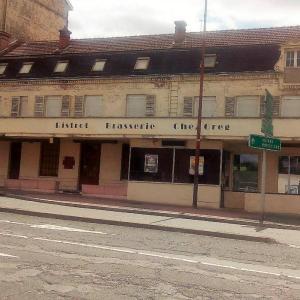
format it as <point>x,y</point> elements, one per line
<point>264,143</point>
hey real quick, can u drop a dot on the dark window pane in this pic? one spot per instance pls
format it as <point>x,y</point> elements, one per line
<point>245,172</point>
<point>49,159</point>
<point>283,165</point>
<point>295,165</point>
<point>164,168</point>
<point>211,171</point>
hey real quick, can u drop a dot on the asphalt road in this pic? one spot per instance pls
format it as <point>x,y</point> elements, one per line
<point>55,259</point>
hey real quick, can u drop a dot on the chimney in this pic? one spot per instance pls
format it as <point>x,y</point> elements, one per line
<point>4,40</point>
<point>180,30</point>
<point>64,37</point>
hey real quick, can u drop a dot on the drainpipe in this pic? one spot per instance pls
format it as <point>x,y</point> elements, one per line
<point>3,28</point>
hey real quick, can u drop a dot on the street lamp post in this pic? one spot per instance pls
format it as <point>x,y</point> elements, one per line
<point>199,119</point>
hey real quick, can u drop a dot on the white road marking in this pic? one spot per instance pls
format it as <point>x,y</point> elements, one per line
<point>294,246</point>
<point>55,227</point>
<point>283,272</point>
<point>14,235</point>
<point>8,255</point>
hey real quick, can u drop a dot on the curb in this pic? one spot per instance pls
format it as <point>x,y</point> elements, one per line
<point>145,226</point>
<point>252,222</point>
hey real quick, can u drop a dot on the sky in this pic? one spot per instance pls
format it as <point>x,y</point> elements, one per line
<point>106,18</point>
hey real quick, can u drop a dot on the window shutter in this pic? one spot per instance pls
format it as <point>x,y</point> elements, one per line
<point>230,106</point>
<point>79,106</point>
<point>65,106</point>
<point>39,107</point>
<point>15,107</point>
<point>262,105</point>
<point>150,106</point>
<point>188,106</point>
<point>276,106</point>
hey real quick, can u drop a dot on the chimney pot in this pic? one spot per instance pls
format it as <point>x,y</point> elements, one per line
<point>180,31</point>
<point>64,37</point>
<point>4,40</point>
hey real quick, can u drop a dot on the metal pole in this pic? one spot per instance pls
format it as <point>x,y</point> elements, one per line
<point>263,186</point>
<point>197,150</point>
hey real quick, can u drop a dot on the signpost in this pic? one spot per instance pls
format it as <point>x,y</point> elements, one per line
<point>265,143</point>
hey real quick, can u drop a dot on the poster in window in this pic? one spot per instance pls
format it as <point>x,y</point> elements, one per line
<point>192,165</point>
<point>151,163</point>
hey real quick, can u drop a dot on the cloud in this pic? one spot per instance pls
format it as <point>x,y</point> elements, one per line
<point>94,18</point>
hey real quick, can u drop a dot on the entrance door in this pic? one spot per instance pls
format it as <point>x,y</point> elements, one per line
<point>15,160</point>
<point>89,164</point>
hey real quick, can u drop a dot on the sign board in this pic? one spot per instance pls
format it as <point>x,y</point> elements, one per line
<point>264,143</point>
<point>151,163</point>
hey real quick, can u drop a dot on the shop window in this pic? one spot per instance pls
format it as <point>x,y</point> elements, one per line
<point>93,106</point>
<point>289,175</point>
<point>151,164</point>
<point>49,159</point>
<point>209,166</point>
<point>245,173</point>
<point>290,106</point>
<point>140,105</point>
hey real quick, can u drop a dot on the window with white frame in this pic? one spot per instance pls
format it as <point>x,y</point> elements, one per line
<point>3,68</point>
<point>140,106</point>
<point>292,58</point>
<point>53,106</point>
<point>61,66</point>
<point>26,68</point>
<point>247,106</point>
<point>99,65</point>
<point>142,63</point>
<point>290,106</point>
<point>93,106</point>
<point>210,60</point>
<point>209,106</point>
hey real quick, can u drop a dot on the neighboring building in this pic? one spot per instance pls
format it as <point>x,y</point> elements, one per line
<point>116,117</point>
<point>34,19</point>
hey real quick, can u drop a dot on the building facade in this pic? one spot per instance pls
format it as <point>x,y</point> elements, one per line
<point>117,117</point>
<point>34,19</point>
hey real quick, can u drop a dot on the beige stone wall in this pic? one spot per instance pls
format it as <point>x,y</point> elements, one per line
<point>177,194</point>
<point>36,19</point>
<point>4,161</point>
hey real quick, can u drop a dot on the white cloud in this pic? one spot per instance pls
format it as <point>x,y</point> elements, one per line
<point>95,18</point>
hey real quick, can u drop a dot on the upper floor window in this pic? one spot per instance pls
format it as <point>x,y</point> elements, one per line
<point>19,107</point>
<point>2,68</point>
<point>210,60</point>
<point>61,66</point>
<point>242,106</point>
<point>142,63</point>
<point>26,68</point>
<point>88,106</point>
<point>99,65</point>
<point>140,106</point>
<point>290,106</point>
<point>292,58</point>
<point>191,106</point>
<point>52,106</point>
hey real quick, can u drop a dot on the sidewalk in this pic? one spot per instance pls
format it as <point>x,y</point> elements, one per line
<point>173,222</point>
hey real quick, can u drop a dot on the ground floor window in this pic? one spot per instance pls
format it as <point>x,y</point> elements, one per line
<point>49,160</point>
<point>289,175</point>
<point>174,165</point>
<point>245,172</point>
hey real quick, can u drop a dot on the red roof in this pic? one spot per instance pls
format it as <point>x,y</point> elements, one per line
<point>222,38</point>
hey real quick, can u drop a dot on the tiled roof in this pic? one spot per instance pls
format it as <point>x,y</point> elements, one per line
<point>222,38</point>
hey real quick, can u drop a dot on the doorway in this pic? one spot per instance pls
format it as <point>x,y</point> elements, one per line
<point>89,164</point>
<point>15,160</point>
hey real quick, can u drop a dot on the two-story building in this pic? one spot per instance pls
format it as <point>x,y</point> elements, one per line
<point>116,117</point>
